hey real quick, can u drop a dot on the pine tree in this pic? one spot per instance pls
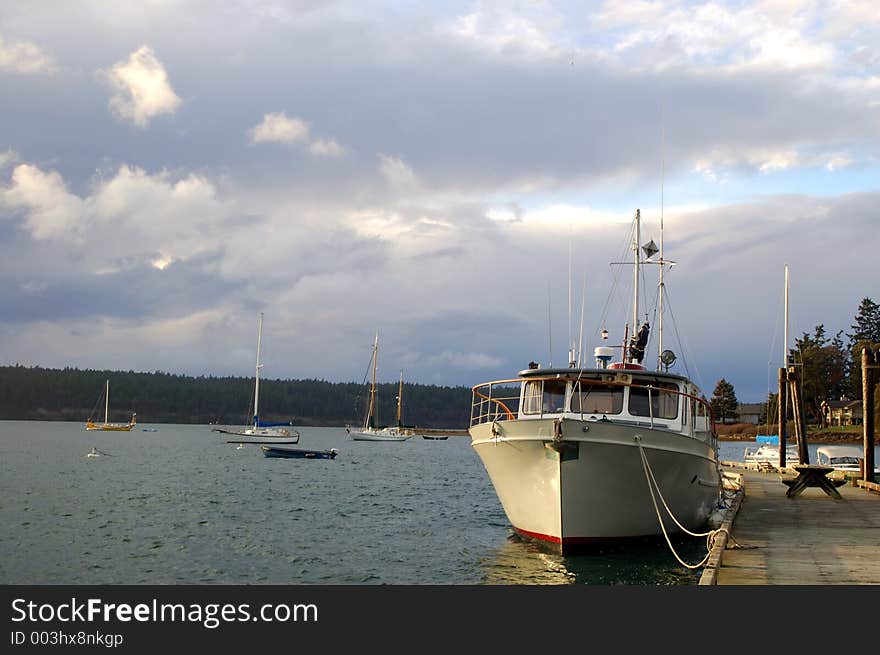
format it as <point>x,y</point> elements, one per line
<point>723,401</point>
<point>865,332</point>
<point>867,323</point>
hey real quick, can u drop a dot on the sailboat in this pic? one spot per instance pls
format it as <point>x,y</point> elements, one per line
<point>106,425</point>
<point>369,431</point>
<point>580,455</point>
<point>260,431</point>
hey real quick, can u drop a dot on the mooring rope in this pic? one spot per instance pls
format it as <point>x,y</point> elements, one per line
<point>652,482</point>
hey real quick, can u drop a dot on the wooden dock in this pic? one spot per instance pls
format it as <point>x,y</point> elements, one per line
<point>811,539</point>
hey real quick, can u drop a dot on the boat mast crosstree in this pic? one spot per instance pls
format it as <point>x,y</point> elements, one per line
<point>579,455</point>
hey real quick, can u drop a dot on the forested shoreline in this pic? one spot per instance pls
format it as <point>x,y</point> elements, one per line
<point>69,394</point>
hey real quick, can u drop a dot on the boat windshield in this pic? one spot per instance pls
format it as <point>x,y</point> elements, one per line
<point>663,404</point>
<point>544,396</point>
<point>597,399</point>
<point>845,460</point>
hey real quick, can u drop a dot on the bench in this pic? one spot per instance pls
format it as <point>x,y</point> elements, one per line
<point>812,475</point>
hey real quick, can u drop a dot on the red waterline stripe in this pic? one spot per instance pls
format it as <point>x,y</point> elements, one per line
<point>567,541</point>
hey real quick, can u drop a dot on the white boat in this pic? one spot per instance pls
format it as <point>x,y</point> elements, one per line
<point>580,455</point>
<point>842,458</point>
<point>768,453</point>
<point>370,431</point>
<point>260,431</point>
<point>106,425</point>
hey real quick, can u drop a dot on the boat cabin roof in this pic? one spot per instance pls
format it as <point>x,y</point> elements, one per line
<point>597,372</point>
<point>841,451</point>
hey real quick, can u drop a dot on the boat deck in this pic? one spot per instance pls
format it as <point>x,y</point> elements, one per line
<point>811,539</point>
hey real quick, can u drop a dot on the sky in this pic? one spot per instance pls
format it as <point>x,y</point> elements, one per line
<point>460,177</point>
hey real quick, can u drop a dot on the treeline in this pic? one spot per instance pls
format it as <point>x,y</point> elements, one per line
<point>69,394</point>
<point>830,368</point>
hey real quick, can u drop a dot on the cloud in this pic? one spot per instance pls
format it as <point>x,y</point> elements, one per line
<point>51,210</point>
<point>326,148</point>
<point>292,131</point>
<point>24,58</point>
<point>141,88</point>
<point>397,172</point>
<point>279,128</point>
<point>463,360</point>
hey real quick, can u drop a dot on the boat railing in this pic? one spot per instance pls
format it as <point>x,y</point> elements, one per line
<point>495,401</point>
<point>499,400</point>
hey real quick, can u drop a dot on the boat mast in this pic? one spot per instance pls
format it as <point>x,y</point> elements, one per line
<point>785,332</point>
<point>660,295</point>
<point>257,374</point>
<point>399,398</point>
<point>372,407</point>
<point>106,400</point>
<point>635,248</point>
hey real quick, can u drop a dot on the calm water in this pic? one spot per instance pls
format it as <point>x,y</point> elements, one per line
<point>180,506</point>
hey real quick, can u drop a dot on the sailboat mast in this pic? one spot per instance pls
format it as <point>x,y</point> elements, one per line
<point>635,248</point>
<point>785,334</point>
<point>373,409</point>
<point>399,398</point>
<point>106,400</point>
<point>257,374</point>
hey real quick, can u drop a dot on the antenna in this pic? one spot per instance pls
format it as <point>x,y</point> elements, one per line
<point>662,289</point>
<point>636,257</point>
<point>571,349</point>
<point>581,332</point>
<point>549,330</point>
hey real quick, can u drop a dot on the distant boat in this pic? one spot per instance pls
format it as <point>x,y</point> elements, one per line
<point>106,425</point>
<point>843,458</point>
<point>298,453</point>
<point>149,429</point>
<point>434,437</point>
<point>369,432</point>
<point>260,431</point>
<point>769,453</point>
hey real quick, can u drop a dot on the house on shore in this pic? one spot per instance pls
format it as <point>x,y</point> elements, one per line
<point>749,412</point>
<point>842,412</point>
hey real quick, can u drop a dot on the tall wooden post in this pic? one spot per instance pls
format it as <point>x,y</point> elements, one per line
<point>800,415</point>
<point>782,414</point>
<point>869,363</point>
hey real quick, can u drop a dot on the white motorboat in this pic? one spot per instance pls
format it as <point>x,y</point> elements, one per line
<point>768,453</point>
<point>583,455</point>
<point>842,458</point>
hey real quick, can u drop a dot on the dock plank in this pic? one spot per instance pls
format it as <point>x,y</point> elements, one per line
<point>811,539</point>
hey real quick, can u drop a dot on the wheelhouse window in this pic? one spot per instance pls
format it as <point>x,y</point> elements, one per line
<point>659,402</point>
<point>597,399</point>
<point>544,397</point>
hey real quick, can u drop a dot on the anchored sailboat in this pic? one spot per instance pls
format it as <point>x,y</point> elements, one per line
<point>106,425</point>
<point>370,431</point>
<point>261,431</point>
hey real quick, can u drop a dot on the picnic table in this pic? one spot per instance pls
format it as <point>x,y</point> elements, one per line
<point>813,475</point>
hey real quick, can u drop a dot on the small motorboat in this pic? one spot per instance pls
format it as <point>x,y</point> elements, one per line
<point>299,453</point>
<point>842,458</point>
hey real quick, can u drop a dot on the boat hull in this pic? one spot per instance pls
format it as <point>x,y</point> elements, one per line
<point>591,486</point>
<point>110,427</point>
<point>378,435</point>
<point>298,453</point>
<point>259,436</point>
